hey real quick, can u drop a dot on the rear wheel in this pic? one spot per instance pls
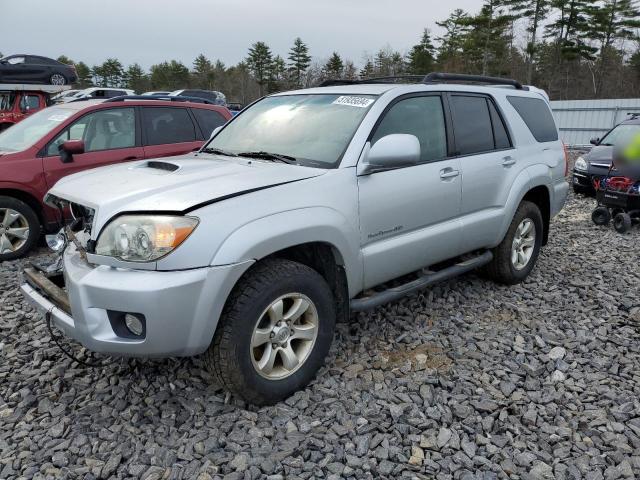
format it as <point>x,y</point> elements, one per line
<point>19,228</point>
<point>622,222</point>
<point>601,216</point>
<point>274,333</point>
<point>516,256</point>
<point>57,79</point>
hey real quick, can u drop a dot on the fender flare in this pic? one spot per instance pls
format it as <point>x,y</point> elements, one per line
<point>293,227</point>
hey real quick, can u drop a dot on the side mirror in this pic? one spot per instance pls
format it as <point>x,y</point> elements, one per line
<point>215,132</point>
<point>70,148</point>
<point>594,141</point>
<point>393,151</point>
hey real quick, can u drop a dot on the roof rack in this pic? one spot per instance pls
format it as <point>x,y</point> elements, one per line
<point>167,98</point>
<point>434,77</point>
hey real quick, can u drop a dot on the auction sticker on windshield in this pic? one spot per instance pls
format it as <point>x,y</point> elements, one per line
<point>361,102</point>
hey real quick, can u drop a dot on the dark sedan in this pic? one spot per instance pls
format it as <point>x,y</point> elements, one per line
<point>597,162</point>
<point>35,69</point>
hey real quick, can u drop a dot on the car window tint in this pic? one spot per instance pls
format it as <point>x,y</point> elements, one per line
<point>167,125</point>
<point>537,116</point>
<point>471,124</point>
<point>500,135</point>
<point>422,117</point>
<point>15,60</point>
<point>208,120</point>
<point>101,130</point>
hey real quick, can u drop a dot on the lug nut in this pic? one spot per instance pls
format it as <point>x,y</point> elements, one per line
<point>274,345</point>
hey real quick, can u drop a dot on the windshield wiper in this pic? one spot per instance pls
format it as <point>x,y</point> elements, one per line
<point>217,151</point>
<point>270,156</point>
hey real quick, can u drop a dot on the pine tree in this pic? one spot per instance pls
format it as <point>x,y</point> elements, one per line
<point>367,70</point>
<point>568,30</point>
<point>135,78</point>
<point>62,59</point>
<point>456,27</point>
<point>203,72</point>
<point>334,67</point>
<point>259,61</point>
<point>299,61</point>
<point>421,57</point>
<point>277,74</point>
<point>84,75</point>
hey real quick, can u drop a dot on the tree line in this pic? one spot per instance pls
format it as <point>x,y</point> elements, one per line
<point>574,49</point>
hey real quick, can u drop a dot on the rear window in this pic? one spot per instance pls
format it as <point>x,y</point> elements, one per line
<point>208,120</point>
<point>537,116</point>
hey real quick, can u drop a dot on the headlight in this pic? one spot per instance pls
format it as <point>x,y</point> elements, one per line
<point>144,238</point>
<point>581,164</point>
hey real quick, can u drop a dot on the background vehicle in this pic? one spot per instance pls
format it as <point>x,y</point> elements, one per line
<point>596,163</point>
<point>217,98</point>
<point>301,209</point>
<point>156,93</point>
<point>98,93</point>
<point>90,134</point>
<point>36,69</point>
<point>59,97</point>
<point>18,101</point>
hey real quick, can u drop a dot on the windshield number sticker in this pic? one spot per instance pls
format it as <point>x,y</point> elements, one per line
<point>360,102</point>
<point>58,117</point>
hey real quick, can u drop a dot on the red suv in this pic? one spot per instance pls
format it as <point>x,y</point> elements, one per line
<point>65,139</point>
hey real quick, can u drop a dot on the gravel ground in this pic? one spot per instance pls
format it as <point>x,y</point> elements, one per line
<point>468,380</point>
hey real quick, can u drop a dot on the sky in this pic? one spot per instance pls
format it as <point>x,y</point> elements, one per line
<point>151,31</point>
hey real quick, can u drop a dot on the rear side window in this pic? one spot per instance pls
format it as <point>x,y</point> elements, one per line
<point>167,125</point>
<point>208,120</point>
<point>471,124</point>
<point>422,117</point>
<point>500,135</point>
<point>537,116</point>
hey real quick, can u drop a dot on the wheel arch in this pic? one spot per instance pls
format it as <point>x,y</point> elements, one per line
<point>27,198</point>
<point>541,196</point>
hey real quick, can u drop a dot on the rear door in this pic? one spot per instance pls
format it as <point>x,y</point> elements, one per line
<point>168,131</point>
<point>15,69</point>
<point>489,166</point>
<point>110,136</point>
<point>409,216</point>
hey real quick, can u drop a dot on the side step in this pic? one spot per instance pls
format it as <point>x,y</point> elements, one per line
<point>386,296</point>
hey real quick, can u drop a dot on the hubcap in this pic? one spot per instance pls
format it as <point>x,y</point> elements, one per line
<point>284,336</point>
<point>524,242</point>
<point>14,230</point>
<point>57,79</point>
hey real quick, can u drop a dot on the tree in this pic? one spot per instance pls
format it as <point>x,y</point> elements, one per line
<point>259,61</point>
<point>452,42</point>
<point>367,70</point>
<point>568,31</point>
<point>85,78</point>
<point>171,75</point>
<point>62,59</point>
<point>421,57</point>
<point>109,74</point>
<point>135,78</point>
<point>334,66</point>
<point>299,61</point>
<point>203,72</point>
<point>277,74</point>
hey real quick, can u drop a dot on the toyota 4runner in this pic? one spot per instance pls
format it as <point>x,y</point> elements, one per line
<point>295,213</point>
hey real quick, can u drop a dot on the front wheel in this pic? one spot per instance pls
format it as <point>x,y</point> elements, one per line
<point>57,79</point>
<point>274,333</point>
<point>518,252</point>
<point>19,228</point>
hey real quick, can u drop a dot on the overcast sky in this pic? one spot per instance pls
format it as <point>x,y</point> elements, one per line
<point>150,31</point>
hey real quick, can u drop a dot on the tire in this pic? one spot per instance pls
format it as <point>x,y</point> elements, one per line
<point>57,79</point>
<point>502,268</point>
<point>622,222</point>
<point>16,217</point>
<point>230,357</point>
<point>601,216</point>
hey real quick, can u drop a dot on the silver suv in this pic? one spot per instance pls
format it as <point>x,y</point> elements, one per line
<point>296,212</point>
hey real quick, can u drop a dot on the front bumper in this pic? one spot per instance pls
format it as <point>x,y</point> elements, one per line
<point>582,179</point>
<point>180,308</point>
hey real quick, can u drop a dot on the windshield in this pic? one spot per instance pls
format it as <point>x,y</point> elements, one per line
<point>6,100</point>
<point>313,129</point>
<point>621,135</point>
<point>24,134</point>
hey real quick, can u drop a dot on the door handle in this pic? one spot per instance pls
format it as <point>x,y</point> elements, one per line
<point>447,173</point>
<point>508,161</point>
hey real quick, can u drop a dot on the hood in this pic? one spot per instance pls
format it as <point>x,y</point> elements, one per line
<point>173,184</point>
<point>600,154</point>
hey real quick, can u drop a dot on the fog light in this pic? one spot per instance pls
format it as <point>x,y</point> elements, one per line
<point>57,242</point>
<point>134,325</point>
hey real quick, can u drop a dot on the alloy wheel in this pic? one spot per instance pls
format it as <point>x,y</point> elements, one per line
<point>57,79</point>
<point>14,230</point>
<point>284,336</point>
<point>524,242</point>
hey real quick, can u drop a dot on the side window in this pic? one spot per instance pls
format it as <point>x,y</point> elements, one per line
<point>536,114</point>
<point>208,120</point>
<point>99,94</point>
<point>15,60</point>
<point>101,130</point>
<point>419,116</point>
<point>500,135</point>
<point>167,125</point>
<point>30,102</point>
<point>471,124</point>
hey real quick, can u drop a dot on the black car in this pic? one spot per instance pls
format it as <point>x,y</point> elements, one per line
<point>597,162</point>
<point>35,69</point>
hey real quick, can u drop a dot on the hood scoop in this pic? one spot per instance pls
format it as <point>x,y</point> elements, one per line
<point>166,167</point>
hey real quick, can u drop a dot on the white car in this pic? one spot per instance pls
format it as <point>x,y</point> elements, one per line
<point>99,92</point>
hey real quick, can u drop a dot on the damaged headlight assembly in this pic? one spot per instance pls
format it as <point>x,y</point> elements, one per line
<point>144,238</point>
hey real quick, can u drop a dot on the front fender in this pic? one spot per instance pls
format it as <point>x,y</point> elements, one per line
<point>265,236</point>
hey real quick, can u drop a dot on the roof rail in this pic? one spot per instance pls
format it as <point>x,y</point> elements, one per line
<point>167,98</point>
<point>437,77</point>
<point>389,79</point>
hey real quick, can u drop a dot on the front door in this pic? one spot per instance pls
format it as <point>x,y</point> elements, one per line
<point>409,217</point>
<point>109,136</point>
